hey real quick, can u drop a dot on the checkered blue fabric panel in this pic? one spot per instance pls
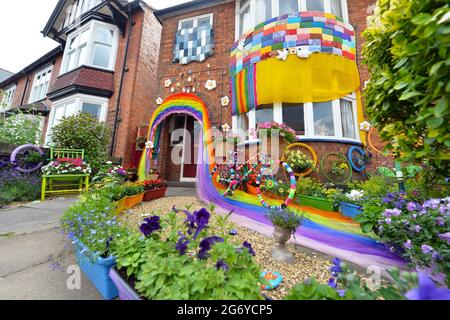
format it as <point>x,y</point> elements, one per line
<point>194,44</point>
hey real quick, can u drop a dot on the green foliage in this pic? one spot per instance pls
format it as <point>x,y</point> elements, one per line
<point>310,187</point>
<point>407,52</point>
<point>20,129</point>
<point>298,160</point>
<point>285,219</point>
<point>15,186</point>
<point>109,175</point>
<point>83,131</point>
<point>346,285</point>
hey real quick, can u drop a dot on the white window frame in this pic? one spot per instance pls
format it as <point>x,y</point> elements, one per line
<point>8,97</point>
<point>276,10</point>
<point>195,20</point>
<point>309,120</point>
<point>90,44</point>
<point>79,99</point>
<point>38,74</point>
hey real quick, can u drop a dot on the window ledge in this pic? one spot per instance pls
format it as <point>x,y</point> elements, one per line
<point>306,139</point>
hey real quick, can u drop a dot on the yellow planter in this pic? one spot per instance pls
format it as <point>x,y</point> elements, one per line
<point>133,201</point>
<point>120,206</point>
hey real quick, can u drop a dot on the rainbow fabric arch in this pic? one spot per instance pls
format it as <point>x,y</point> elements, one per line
<point>328,232</point>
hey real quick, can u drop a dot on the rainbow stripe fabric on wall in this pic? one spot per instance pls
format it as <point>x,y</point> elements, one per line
<point>327,232</point>
<point>320,63</point>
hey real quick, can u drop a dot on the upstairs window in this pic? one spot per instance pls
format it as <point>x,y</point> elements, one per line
<point>194,39</point>
<point>253,12</point>
<point>8,96</point>
<point>40,85</point>
<point>95,45</point>
<point>77,8</point>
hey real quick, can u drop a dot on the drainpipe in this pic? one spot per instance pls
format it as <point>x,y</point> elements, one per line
<point>119,94</point>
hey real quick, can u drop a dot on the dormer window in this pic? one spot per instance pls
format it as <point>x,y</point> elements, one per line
<point>77,8</point>
<point>8,96</point>
<point>95,44</point>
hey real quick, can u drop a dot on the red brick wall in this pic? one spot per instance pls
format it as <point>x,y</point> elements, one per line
<point>215,67</point>
<point>139,82</point>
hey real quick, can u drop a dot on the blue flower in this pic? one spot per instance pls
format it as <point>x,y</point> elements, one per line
<point>332,283</point>
<point>206,245</point>
<point>249,247</point>
<point>182,244</point>
<point>341,293</point>
<point>408,245</point>
<point>427,290</point>
<point>336,267</point>
<point>150,225</point>
<point>222,265</point>
<point>426,249</point>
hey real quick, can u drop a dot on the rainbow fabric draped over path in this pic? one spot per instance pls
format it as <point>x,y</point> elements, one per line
<point>328,232</point>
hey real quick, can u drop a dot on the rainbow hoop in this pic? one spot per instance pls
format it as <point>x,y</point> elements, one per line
<point>292,189</point>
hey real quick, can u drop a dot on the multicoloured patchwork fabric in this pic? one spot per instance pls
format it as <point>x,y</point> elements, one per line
<point>310,31</point>
<point>194,44</point>
<point>244,91</point>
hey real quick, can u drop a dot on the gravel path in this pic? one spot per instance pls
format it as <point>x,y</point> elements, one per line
<point>308,263</point>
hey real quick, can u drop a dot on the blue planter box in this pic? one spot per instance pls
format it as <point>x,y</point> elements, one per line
<point>349,209</point>
<point>97,271</point>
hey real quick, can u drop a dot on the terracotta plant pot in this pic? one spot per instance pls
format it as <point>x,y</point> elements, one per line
<point>133,201</point>
<point>154,194</point>
<point>280,252</point>
<point>120,206</point>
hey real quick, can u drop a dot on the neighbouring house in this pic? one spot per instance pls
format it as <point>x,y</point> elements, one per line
<point>105,64</point>
<point>5,74</point>
<point>296,62</point>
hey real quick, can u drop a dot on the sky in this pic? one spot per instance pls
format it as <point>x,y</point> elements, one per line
<point>21,23</point>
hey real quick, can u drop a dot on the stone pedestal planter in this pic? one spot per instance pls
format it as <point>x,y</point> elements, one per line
<point>279,251</point>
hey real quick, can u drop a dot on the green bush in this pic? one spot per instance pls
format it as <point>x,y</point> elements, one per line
<point>20,129</point>
<point>407,52</point>
<point>83,131</point>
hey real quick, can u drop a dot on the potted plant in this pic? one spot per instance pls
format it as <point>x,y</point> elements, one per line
<point>152,175</point>
<point>131,174</point>
<point>118,198</point>
<point>154,189</point>
<point>285,222</point>
<point>298,160</point>
<point>351,203</point>
<point>109,174</point>
<point>91,226</point>
<point>134,194</point>
<point>312,193</point>
<point>273,129</point>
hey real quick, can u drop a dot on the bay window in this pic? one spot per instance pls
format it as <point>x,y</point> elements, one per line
<point>80,103</point>
<point>332,120</point>
<point>8,96</point>
<point>40,85</point>
<point>95,44</point>
<point>253,12</point>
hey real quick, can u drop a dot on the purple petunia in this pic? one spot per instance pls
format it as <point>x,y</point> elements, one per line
<point>182,244</point>
<point>249,247</point>
<point>206,245</point>
<point>411,206</point>
<point>432,203</point>
<point>427,290</point>
<point>336,268</point>
<point>426,249</point>
<point>222,265</point>
<point>408,244</point>
<point>332,283</point>
<point>150,225</point>
<point>197,221</point>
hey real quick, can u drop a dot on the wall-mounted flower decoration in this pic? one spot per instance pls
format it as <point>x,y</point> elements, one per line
<point>365,126</point>
<point>283,54</point>
<point>167,83</point>
<point>225,101</point>
<point>149,145</point>
<point>189,79</point>
<point>211,84</point>
<point>226,127</point>
<point>172,89</point>
<point>159,100</point>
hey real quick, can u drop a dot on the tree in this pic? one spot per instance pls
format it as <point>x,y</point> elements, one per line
<point>83,131</point>
<point>407,53</point>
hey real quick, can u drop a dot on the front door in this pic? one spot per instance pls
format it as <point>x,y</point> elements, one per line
<point>190,149</point>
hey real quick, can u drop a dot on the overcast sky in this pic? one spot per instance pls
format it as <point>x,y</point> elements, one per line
<point>21,23</point>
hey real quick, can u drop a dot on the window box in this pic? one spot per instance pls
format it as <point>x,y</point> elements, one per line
<point>126,292</point>
<point>154,194</point>
<point>133,201</point>
<point>120,206</point>
<point>318,203</point>
<point>97,271</point>
<point>349,209</point>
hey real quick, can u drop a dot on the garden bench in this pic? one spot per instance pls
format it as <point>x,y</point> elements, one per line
<point>65,183</point>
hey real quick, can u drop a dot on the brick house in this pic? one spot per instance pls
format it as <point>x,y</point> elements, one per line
<point>105,65</point>
<point>328,122</point>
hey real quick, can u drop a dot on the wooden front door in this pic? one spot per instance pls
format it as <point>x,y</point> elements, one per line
<point>190,150</point>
